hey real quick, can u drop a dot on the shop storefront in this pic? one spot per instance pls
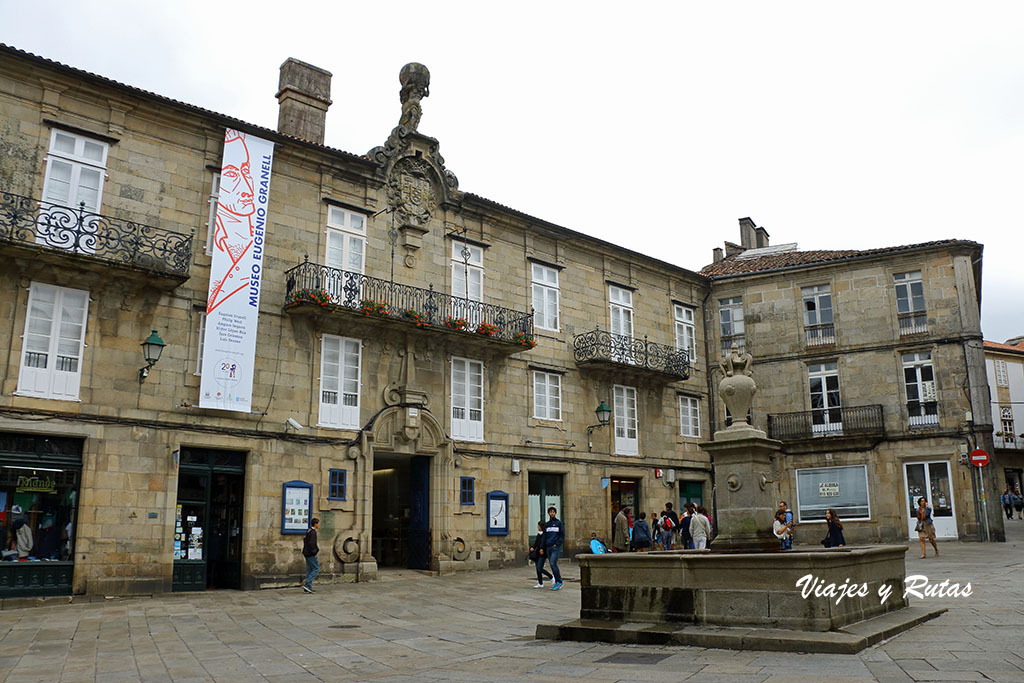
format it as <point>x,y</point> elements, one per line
<point>39,489</point>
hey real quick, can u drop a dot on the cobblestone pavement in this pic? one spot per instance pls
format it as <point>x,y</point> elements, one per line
<point>479,627</point>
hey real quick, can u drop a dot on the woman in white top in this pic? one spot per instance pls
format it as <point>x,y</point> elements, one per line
<point>783,531</point>
<point>700,529</point>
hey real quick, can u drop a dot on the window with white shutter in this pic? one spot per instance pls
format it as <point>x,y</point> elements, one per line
<point>75,169</point>
<point>51,358</point>
<point>340,361</point>
<point>913,317</point>
<point>689,416</point>
<point>626,439</point>
<point>467,400</point>
<point>686,334</point>
<point>345,249</point>
<point>467,282</point>
<point>919,383</point>
<point>545,296</point>
<point>547,395</point>
<point>1002,379</point>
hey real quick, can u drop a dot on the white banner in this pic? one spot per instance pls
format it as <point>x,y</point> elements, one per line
<point>236,273</point>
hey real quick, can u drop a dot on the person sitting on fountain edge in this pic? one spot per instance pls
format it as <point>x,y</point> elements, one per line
<point>783,530</point>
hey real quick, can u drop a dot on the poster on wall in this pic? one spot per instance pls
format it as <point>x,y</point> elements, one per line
<point>296,507</point>
<point>236,273</point>
<point>497,513</point>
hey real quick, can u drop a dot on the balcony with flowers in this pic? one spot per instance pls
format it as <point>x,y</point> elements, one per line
<point>315,289</point>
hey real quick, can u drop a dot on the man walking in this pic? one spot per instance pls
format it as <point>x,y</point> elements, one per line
<point>310,550</point>
<point>554,535</point>
<point>620,531</point>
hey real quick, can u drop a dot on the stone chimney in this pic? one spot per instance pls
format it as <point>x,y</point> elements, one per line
<point>717,254</point>
<point>747,236</point>
<point>761,237</point>
<point>304,94</point>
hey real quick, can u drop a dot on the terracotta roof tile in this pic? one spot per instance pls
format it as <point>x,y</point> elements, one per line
<point>996,346</point>
<point>731,265</point>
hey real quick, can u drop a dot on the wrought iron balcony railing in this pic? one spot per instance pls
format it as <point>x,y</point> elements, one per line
<point>33,222</point>
<point>913,323</point>
<point>599,345</point>
<point>740,340</point>
<point>327,286</point>
<point>820,335</point>
<point>845,421</point>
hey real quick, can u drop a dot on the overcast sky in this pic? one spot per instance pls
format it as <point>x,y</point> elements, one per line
<point>837,126</point>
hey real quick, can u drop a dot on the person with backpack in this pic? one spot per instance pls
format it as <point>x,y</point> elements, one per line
<point>642,539</point>
<point>310,550</point>
<point>668,530</point>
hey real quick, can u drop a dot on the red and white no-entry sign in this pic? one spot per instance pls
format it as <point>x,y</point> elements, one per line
<point>979,458</point>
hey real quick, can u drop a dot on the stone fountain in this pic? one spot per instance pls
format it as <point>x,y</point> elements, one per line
<point>745,592</point>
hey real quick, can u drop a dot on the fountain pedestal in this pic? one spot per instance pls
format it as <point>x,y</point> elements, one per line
<point>744,463</point>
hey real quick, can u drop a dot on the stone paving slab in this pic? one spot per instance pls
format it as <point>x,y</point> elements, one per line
<point>478,627</point>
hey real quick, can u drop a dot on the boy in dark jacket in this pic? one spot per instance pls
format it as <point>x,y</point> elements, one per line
<point>538,556</point>
<point>310,550</point>
<point>554,536</point>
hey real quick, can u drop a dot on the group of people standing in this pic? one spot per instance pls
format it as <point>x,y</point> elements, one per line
<point>660,530</point>
<point>1012,501</point>
<point>783,528</point>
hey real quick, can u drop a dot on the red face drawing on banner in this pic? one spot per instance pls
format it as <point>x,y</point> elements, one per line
<point>233,232</point>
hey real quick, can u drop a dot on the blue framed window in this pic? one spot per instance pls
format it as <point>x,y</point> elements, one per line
<point>337,485</point>
<point>467,491</point>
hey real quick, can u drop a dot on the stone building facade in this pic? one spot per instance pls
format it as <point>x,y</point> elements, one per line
<point>1004,365</point>
<point>870,371</point>
<point>439,356</point>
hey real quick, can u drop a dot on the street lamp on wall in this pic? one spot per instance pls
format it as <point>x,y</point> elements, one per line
<point>151,350</point>
<point>604,414</point>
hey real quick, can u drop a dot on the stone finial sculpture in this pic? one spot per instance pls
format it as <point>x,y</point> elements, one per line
<point>415,80</point>
<point>737,388</point>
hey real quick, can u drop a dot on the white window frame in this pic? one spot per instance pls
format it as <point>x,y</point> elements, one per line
<point>620,323</point>
<point>926,390</point>
<point>211,219</point>
<point>731,325</point>
<point>463,425</point>
<point>78,162</point>
<point>819,316</point>
<point>350,227</point>
<point>799,507</point>
<point>686,330</point>
<point>547,396</point>
<point>831,399</point>
<point>1002,377</point>
<point>201,346</point>
<point>623,399</point>
<point>545,292</point>
<point>1006,422</point>
<point>466,302</point>
<point>689,416</point>
<point>338,403</point>
<point>51,381</point>
<point>911,307</point>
